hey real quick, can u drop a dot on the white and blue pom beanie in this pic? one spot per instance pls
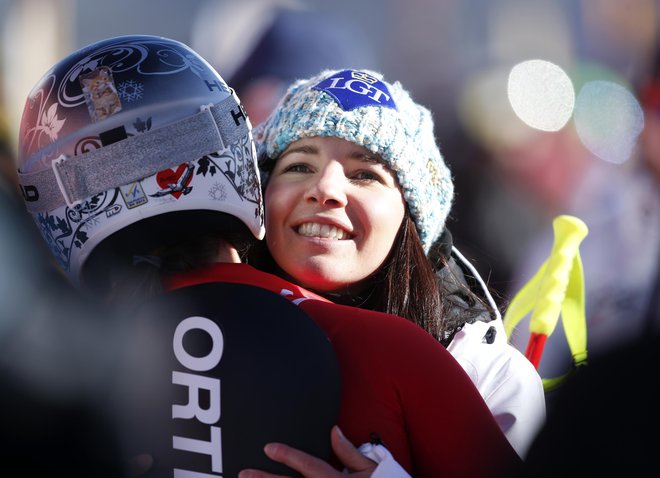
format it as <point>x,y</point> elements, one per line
<point>361,107</point>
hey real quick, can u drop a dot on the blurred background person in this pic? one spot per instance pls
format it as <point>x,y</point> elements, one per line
<point>512,177</point>
<point>615,190</point>
<point>264,45</point>
<point>623,325</point>
<point>601,417</point>
<point>52,362</point>
<point>54,367</point>
<point>521,169</point>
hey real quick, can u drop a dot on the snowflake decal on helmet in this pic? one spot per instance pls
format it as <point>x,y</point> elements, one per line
<point>218,192</point>
<point>130,90</point>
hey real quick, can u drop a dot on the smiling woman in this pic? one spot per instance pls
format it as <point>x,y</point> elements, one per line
<point>356,196</point>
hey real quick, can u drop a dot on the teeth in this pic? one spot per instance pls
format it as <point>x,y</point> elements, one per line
<point>312,229</point>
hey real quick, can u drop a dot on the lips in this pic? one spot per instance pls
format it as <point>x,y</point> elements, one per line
<point>325,231</point>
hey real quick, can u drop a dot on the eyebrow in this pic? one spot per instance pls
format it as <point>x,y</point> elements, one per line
<point>367,157</point>
<point>305,148</point>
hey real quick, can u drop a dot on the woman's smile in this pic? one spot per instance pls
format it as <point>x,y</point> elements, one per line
<point>325,231</point>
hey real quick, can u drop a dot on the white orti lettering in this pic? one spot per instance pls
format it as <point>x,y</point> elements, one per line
<point>213,447</point>
<point>192,474</point>
<point>199,364</point>
<point>195,383</point>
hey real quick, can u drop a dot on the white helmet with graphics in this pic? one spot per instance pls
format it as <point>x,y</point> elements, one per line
<point>125,135</point>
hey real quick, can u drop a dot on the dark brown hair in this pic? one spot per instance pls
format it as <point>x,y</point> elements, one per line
<point>406,285</point>
<point>424,291</point>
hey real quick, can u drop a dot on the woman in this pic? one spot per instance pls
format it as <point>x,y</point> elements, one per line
<point>357,194</point>
<point>138,165</point>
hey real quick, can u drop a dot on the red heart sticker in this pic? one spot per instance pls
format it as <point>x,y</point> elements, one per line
<point>168,178</point>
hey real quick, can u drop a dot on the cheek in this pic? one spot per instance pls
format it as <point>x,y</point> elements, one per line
<point>273,210</point>
<point>279,203</point>
<point>385,216</point>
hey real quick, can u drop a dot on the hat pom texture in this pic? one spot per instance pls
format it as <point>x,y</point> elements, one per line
<point>359,106</point>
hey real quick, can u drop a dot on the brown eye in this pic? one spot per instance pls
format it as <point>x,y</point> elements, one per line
<point>297,168</point>
<point>366,176</point>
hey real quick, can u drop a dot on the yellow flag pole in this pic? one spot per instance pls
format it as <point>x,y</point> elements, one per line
<point>545,295</point>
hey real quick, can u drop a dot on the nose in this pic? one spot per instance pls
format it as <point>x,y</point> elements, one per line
<point>329,186</point>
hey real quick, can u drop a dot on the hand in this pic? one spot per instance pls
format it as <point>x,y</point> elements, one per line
<point>357,464</point>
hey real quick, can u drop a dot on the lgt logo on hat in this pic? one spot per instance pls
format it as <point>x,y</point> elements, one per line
<point>353,89</point>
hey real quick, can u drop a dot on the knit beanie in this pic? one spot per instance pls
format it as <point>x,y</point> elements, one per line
<point>361,107</point>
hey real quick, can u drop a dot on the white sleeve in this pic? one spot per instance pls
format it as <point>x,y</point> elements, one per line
<point>505,378</point>
<point>387,466</point>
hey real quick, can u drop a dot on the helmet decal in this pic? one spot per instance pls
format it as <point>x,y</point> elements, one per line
<point>130,90</point>
<point>236,165</point>
<point>130,128</point>
<point>100,93</point>
<point>133,195</point>
<point>173,182</point>
<point>67,232</point>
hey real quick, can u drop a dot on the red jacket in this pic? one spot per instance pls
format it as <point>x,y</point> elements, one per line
<point>398,382</point>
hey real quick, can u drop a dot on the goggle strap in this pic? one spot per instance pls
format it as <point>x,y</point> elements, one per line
<point>72,179</point>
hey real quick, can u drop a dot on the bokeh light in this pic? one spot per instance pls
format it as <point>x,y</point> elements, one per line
<point>608,120</point>
<point>486,114</point>
<point>541,94</point>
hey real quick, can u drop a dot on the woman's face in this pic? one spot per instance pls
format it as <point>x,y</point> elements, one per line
<point>332,213</point>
